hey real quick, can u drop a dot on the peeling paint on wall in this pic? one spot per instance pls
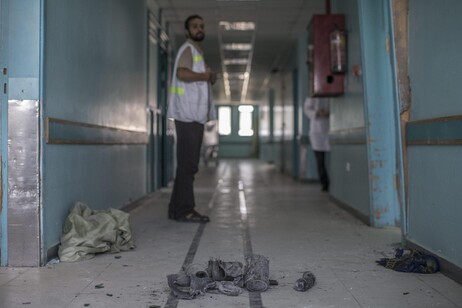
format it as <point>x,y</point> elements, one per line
<point>378,214</point>
<point>400,24</point>
<point>376,163</point>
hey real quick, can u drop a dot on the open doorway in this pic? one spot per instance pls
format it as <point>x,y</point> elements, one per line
<point>238,131</point>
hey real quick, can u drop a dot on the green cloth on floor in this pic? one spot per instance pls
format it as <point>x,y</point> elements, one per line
<point>88,232</point>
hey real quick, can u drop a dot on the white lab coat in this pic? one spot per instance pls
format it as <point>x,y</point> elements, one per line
<point>210,134</point>
<point>319,126</point>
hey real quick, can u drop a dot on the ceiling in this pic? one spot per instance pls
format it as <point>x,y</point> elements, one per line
<point>265,29</point>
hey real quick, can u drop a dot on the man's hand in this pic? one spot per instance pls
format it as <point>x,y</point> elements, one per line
<point>187,75</point>
<point>212,76</point>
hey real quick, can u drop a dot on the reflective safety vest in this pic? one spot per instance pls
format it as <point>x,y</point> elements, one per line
<point>191,101</point>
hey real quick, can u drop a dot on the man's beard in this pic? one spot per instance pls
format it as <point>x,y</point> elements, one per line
<point>199,37</point>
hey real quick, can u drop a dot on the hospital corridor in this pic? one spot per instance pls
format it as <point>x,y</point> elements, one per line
<point>253,209</point>
<point>230,153</point>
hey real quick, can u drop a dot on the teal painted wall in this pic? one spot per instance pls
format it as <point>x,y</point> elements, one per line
<point>95,62</point>
<point>307,161</point>
<point>94,72</point>
<point>347,111</point>
<point>435,71</point>
<point>434,172</point>
<point>348,185</point>
<point>348,160</point>
<point>434,200</point>
<point>24,50</point>
<point>288,156</point>
<point>272,139</point>
<point>349,180</point>
<point>266,128</point>
<point>282,84</point>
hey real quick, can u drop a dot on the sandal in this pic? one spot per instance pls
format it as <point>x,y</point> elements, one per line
<point>193,216</point>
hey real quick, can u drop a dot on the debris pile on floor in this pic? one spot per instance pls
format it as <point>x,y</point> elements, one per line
<point>411,261</point>
<point>228,278</point>
<point>88,232</point>
<point>305,283</point>
<point>225,277</point>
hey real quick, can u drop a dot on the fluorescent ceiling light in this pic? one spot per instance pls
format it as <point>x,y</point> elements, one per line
<point>245,108</point>
<point>239,76</point>
<point>243,61</point>
<point>237,46</point>
<point>237,26</point>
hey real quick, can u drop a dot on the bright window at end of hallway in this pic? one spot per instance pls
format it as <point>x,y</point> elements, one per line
<point>224,120</point>
<point>245,120</point>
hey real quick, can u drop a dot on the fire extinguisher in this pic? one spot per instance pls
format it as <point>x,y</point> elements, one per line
<point>338,57</point>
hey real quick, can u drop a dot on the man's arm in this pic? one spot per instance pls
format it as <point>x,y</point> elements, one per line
<point>187,75</point>
<point>184,70</point>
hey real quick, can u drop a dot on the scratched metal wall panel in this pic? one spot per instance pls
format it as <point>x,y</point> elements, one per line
<point>23,184</point>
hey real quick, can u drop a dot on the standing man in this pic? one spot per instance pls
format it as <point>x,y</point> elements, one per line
<point>190,106</point>
<point>317,110</point>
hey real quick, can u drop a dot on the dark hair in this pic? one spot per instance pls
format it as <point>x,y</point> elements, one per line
<point>186,22</point>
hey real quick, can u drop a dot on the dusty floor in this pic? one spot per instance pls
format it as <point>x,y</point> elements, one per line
<point>253,208</point>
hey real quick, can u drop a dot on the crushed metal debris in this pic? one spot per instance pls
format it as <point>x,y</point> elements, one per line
<point>228,278</point>
<point>305,283</point>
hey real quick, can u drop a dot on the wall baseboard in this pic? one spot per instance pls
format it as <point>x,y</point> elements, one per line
<point>447,268</point>
<point>364,218</point>
<point>139,202</point>
<point>52,253</point>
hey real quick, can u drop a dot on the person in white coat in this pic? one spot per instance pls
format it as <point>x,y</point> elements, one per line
<point>318,111</point>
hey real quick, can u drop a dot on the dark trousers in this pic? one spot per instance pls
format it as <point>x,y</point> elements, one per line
<point>322,172</point>
<point>189,140</point>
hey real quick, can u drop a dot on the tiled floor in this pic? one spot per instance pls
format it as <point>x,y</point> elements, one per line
<point>253,208</point>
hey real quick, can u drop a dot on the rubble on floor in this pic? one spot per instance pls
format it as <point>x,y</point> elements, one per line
<point>221,276</point>
<point>305,283</point>
<point>411,261</point>
<point>228,278</point>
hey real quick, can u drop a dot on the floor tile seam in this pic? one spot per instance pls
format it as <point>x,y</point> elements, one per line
<point>88,284</point>
<point>344,286</point>
<point>144,201</point>
<point>437,291</point>
<point>172,301</point>
<point>16,277</point>
<point>255,298</point>
<point>229,206</point>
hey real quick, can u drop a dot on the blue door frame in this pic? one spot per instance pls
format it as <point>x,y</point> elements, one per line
<point>296,130</point>
<point>152,102</point>
<point>381,112</point>
<point>166,155</point>
<point>4,132</point>
<point>3,127</point>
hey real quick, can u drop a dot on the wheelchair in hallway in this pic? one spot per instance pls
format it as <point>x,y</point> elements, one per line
<point>210,143</point>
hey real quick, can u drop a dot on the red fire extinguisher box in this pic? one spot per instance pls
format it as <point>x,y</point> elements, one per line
<point>326,78</point>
